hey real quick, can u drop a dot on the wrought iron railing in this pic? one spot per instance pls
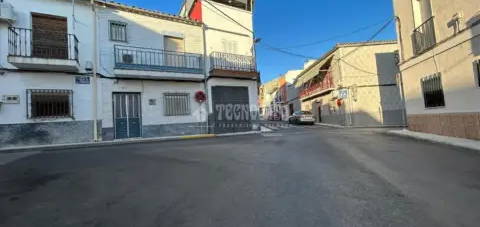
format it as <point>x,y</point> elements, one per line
<point>312,88</point>
<point>233,62</point>
<point>423,36</point>
<point>140,58</point>
<point>37,43</point>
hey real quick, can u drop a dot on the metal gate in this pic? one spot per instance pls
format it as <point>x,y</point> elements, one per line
<point>231,109</point>
<point>127,115</point>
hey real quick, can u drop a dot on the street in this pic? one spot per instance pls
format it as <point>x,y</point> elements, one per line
<point>293,176</point>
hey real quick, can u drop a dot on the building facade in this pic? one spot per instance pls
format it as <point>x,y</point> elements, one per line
<point>354,84</point>
<point>45,55</point>
<point>156,74</point>
<point>232,77</point>
<point>267,100</point>
<point>152,67</point>
<point>439,63</point>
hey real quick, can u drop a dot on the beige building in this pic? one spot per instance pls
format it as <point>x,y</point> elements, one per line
<point>439,63</point>
<point>354,84</point>
<point>266,102</point>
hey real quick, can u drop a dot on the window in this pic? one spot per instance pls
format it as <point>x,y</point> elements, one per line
<point>174,44</point>
<point>49,103</point>
<point>422,11</point>
<point>477,70</point>
<point>118,31</point>
<point>48,37</point>
<point>433,91</point>
<point>229,46</point>
<point>177,104</point>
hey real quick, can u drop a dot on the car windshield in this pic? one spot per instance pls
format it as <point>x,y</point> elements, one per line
<point>305,112</point>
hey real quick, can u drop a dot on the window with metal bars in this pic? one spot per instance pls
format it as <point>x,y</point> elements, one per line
<point>433,91</point>
<point>118,31</point>
<point>176,104</point>
<point>49,103</point>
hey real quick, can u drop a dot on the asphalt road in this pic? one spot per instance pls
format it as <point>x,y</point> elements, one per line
<point>301,176</point>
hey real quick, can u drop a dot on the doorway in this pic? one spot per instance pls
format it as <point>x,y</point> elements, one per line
<point>127,115</point>
<point>319,109</point>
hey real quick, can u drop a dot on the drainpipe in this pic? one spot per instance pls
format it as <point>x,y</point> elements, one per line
<point>205,72</point>
<point>401,58</point>
<point>94,72</point>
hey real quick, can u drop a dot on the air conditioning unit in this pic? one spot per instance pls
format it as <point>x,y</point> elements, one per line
<point>127,59</point>
<point>6,12</point>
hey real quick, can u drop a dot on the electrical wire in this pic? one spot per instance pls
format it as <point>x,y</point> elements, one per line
<point>334,37</point>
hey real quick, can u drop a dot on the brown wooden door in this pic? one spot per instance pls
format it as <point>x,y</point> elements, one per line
<point>49,36</point>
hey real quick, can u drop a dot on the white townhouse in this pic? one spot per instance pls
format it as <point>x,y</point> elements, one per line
<point>155,74</point>
<point>151,67</point>
<point>45,63</point>
<point>233,78</point>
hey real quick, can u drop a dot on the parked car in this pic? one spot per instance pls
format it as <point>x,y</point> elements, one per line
<point>302,117</point>
<point>275,116</point>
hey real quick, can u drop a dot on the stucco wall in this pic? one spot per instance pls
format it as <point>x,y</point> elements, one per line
<point>453,57</point>
<point>442,10</point>
<point>459,81</point>
<point>143,31</point>
<point>220,28</point>
<point>81,29</point>
<point>152,114</point>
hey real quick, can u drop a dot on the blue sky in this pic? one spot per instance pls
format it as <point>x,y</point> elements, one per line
<point>288,23</point>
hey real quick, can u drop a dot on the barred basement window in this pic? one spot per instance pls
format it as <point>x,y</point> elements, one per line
<point>176,104</point>
<point>118,31</point>
<point>433,91</point>
<point>49,103</point>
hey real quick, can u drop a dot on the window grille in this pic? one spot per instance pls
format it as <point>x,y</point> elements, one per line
<point>433,91</point>
<point>49,103</point>
<point>177,104</point>
<point>118,31</point>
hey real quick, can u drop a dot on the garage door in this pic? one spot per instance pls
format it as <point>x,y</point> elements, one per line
<point>231,109</point>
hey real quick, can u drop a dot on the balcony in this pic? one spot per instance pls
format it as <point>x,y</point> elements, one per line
<point>423,37</point>
<point>233,66</point>
<point>319,87</point>
<point>147,63</point>
<point>240,4</point>
<point>42,50</point>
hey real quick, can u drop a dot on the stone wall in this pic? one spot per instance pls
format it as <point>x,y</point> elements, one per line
<point>463,125</point>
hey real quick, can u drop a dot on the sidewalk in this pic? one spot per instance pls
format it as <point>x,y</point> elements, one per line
<point>41,148</point>
<point>459,142</point>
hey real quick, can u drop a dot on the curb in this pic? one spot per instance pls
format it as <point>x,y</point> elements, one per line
<point>46,148</point>
<point>331,125</point>
<point>452,141</point>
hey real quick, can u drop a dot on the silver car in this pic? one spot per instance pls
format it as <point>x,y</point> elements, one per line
<point>302,117</point>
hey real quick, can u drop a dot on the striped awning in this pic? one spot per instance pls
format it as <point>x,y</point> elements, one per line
<point>312,71</point>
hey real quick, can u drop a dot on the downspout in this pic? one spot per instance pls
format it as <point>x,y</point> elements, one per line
<point>205,72</point>
<point>94,72</point>
<point>402,57</point>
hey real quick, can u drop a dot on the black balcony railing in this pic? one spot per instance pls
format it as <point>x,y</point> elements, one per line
<point>232,62</point>
<point>423,36</point>
<point>24,42</point>
<point>139,58</point>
